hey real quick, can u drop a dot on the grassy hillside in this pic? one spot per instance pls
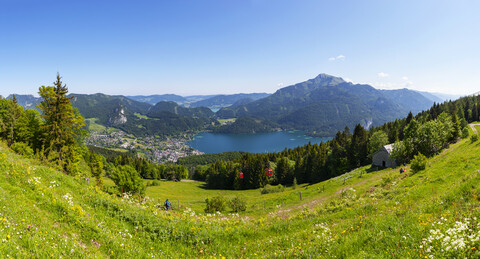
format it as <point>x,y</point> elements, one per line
<point>361,214</point>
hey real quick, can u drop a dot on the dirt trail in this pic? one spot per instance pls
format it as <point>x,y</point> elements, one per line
<point>285,213</point>
<point>472,125</point>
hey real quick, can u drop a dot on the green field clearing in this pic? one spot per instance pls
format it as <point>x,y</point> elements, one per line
<point>140,116</point>
<point>223,121</point>
<point>93,126</point>
<point>192,194</point>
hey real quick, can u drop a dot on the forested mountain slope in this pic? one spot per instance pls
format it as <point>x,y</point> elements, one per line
<point>326,104</point>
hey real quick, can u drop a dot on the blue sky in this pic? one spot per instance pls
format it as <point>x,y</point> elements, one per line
<point>231,46</point>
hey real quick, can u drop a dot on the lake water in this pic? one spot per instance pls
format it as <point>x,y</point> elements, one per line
<point>210,143</point>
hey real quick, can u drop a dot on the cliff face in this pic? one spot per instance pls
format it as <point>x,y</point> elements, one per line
<point>118,117</point>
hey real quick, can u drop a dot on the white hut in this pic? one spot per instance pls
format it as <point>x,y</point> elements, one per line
<point>382,157</point>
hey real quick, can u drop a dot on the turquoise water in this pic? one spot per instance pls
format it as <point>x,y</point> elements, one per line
<point>210,143</point>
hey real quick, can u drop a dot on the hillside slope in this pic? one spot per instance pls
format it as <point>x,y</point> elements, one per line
<point>363,213</point>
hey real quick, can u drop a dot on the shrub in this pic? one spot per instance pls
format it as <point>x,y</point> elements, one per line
<point>474,138</point>
<point>238,204</point>
<point>465,132</point>
<point>153,183</point>
<point>127,179</point>
<point>215,204</point>
<point>272,189</point>
<point>22,149</point>
<point>419,163</point>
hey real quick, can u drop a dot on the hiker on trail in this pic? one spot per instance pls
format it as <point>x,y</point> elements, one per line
<point>167,204</point>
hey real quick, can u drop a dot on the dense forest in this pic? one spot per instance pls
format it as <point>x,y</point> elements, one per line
<point>247,125</point>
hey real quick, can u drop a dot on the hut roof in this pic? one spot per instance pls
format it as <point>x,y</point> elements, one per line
<point>388,148</point>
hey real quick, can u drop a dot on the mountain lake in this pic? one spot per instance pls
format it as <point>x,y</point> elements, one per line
<point>210,143</point>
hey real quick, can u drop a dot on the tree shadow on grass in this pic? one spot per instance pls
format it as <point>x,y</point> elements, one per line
<point>374,168</point>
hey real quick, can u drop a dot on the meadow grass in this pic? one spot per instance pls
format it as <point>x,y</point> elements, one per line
<point>378,214</point>
<point>93,126</point>
<point>223,121</point>
<point>141,116</point>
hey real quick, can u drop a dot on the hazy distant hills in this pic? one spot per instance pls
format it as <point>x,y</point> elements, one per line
<point>220,101</point>
<point>325,104</point>
<point>210,101</point>
<point>411,100</point>
<point>174,108</point>
<point>439,97</point>
<point>154,99</point>
<point>27,101</point>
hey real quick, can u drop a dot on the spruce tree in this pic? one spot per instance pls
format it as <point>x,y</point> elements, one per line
<point>61,124</point>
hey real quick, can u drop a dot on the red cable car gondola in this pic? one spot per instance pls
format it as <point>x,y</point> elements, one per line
<point>269,172</point>
<point>240,174</point>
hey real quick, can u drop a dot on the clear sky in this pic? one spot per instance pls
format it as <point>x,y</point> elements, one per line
<point>230,46</point>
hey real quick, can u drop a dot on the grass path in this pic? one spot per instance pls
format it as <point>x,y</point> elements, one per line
<point>473,126</point>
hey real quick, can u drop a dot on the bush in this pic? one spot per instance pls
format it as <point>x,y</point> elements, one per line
<point>474,138</point>
<point>465,132</point>
<point>22,149</point>
<point>127,179</point>
<point>215,204</point>
<point>272,189</point>
<point>153,183</point>
<point>419,163</point>
<point>238,204</point>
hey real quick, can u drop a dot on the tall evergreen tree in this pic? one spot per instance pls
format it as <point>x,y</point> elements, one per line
<point>13,114</point>
<point>358,151</point>
<point>283,171</point>
<point>61,124</point>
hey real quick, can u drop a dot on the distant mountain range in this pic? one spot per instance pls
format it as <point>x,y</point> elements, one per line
<point>27,101</point>
<point>173,107</point>
<point>439,97</point>
<point>326,104</point>
<point>210,101</point>
<point>220,101</point>
<point>154,99</point>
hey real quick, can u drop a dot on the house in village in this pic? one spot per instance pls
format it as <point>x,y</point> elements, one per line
<point>382,157</point>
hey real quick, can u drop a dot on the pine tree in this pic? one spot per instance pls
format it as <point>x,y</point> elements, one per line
<point>14,111</point>
<point>61,124</point>
<point>358,151</point>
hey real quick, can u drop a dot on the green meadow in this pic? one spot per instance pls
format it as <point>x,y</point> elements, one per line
<point>433,213</point>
